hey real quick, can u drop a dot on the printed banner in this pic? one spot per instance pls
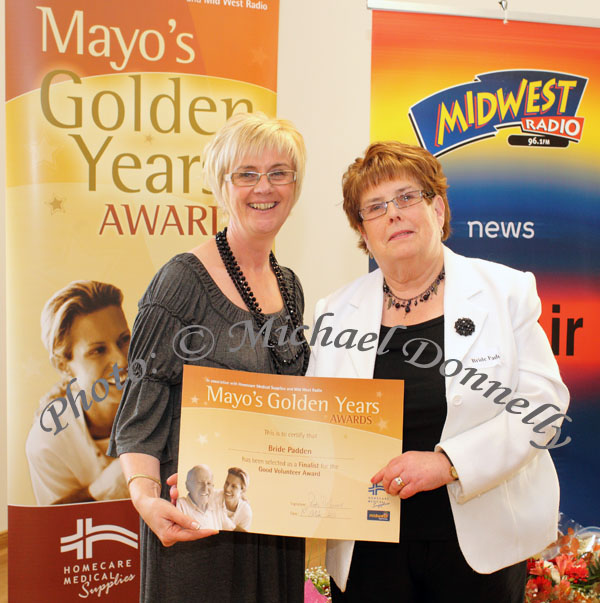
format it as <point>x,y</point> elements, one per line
<point>512,112</point>
<point>79,553</point>
<point>294,454</point>
<point>108,108</point>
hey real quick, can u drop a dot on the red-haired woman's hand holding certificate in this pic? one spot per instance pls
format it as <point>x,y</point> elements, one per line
<point>289,455</point>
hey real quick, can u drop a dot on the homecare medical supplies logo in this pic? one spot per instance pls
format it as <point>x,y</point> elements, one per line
<point>79,551</point>
<point>543,103</point>
<point>86,534</point>
<point>377,500</point>
<point>100,576</point>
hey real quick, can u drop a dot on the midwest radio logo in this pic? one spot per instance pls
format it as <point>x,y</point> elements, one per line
<point>543,104</point>
<point>86,534</point>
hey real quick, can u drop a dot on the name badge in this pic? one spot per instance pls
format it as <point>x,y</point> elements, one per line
<point>485,358</point>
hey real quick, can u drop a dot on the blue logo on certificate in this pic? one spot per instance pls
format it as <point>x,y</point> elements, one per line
<point>378,515</point>
<point>375,489</point>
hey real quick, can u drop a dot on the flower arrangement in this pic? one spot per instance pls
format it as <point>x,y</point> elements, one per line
<point>320,579</point>
<point>567,571</point>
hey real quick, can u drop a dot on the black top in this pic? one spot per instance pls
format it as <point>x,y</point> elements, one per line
<point>426,515</point>
<point>231,567</point>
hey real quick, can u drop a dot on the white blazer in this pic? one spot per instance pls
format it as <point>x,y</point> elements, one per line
<point>505,503</point>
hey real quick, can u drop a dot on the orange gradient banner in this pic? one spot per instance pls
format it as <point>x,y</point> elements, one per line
<point>109,105</point>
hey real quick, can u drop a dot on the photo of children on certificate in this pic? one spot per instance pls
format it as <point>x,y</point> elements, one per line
<point>226,509</point>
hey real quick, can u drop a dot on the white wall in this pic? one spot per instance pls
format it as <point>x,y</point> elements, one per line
<point>574,12</point>
<point>324,87</point>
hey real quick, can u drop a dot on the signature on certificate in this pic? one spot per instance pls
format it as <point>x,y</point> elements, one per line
<point>318,505</point>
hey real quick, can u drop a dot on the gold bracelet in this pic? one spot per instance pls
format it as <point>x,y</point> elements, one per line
<point>144,475</point>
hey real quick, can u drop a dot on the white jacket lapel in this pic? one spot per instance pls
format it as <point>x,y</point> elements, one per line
<point>367,303</point>
<point>462,284</point>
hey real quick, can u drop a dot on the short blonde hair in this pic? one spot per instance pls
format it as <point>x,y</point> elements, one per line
<point>384,161</point>
<point>251,134</point>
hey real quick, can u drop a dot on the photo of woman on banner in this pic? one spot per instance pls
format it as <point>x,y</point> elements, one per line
<point>483,394</point>
<point>87,337</point>
<point>254,166</point>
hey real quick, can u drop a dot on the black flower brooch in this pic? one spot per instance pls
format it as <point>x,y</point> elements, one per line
<point>464,326</point>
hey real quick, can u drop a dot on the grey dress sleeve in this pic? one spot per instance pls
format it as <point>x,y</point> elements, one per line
<point>148,407</point>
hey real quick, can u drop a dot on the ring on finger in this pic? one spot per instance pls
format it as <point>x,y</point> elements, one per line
<point>399,482</point>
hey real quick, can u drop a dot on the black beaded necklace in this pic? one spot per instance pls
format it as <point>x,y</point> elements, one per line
<point>400,302</point>
<point>248,297</point>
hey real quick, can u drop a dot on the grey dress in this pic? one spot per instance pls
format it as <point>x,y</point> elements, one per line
<point>231,567</point>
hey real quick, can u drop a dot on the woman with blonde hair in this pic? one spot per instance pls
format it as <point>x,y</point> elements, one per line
<point>254,166</point>
<point>87,337</point>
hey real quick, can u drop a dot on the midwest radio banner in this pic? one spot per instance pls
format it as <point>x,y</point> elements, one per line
<point>512,112</point>
<point>108,108</point>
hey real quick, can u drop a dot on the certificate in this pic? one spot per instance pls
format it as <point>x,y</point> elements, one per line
<point>287,455</point>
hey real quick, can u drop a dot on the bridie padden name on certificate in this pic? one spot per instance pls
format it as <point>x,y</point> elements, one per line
<point>288,455</point>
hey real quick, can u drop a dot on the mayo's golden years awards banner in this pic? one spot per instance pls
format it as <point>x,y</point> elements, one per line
<point>513,117</point>
<point>109,106</point>
<point>125,100</point>
<point>289,455</point>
